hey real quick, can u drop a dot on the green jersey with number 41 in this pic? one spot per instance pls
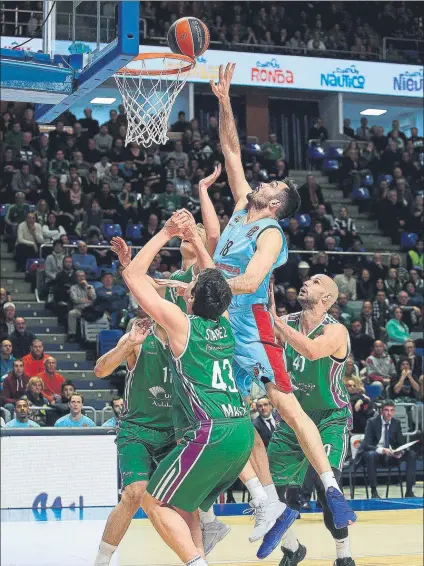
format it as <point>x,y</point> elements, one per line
<point>148,388</point>
<point>203,378</point>
<point>318,383</point>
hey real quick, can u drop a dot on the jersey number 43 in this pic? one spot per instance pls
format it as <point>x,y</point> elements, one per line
<point>222,376</point>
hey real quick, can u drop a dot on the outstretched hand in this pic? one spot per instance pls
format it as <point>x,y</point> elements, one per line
<point>180,286</point>
<point>139,330</point>
<point>122,250</point>
<point>205,183</point>
<point>222,89</point>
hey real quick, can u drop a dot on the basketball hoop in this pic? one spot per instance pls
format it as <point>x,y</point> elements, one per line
<point>149,92</point>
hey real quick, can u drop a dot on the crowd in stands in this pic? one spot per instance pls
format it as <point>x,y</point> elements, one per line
<point>324,29</point>
<point>73,188</point>
<point>311,27</point>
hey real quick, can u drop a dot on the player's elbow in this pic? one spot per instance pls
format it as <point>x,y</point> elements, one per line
<point>99,371</point>
<point>312,354</point>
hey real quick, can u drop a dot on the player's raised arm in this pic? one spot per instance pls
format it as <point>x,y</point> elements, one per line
<point>124,253</point>
<point>333,341</point>
<point>168,315</point>
<point>229,138</point>
<point>125,350</point>
<point>186,225</point>
<point>267,251</point>
<point>209,216</point>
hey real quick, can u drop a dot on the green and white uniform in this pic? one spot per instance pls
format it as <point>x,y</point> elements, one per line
<point>215,449</point>
<point>179,419</point>
<point>319,388</point>
<point>145,431</point>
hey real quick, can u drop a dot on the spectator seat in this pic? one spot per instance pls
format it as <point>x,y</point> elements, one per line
<point>304,220</point>
<point>330,165</point>
<point>408,240</point>
<point>3,210</point>
<point>112,230</point>
<point>361,193</point>
<point>33,264</point>
<point>106,340</point>
<point>334,153</point>
<point>368,180</point>
<point>387,178</point>
<point>285,223</point>
<point>402,416</point>
<point>356,307</point>
<point>373,391</point>
<point>133,231</point>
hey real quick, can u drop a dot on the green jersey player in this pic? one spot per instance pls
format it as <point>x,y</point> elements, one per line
<point>145,432</point>
<point>316,348</point>
<point>217,446</point>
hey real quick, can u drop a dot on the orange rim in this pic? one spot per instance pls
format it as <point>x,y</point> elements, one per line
<point>156,72</point>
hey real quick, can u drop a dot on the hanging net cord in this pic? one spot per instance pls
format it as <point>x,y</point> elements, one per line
<point>148,102</point>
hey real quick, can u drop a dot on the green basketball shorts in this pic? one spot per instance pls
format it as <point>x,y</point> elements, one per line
<point>138,447</point>
<point>288,464</point>
<point>206,462</point>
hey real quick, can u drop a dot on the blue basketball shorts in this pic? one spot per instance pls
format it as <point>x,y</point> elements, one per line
<point>257,356</point>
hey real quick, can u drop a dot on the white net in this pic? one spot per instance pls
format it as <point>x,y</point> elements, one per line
<point>148,94</point>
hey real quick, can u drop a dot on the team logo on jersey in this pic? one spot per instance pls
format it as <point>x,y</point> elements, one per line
<point>258,370</point>
<point>160,398</point>
<point>305,388</point>
<point>157,390</point>
<point>252,231</point>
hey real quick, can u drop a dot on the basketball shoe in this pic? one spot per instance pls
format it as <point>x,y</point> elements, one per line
<point>266,513</point>
<point>212,534</point>
<point>291,558</point>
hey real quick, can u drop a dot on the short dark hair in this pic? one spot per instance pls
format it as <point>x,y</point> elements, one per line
<point>115,398</point>
<point>388,403</point>
<point>212,294</point>
<point>65,384</point>
<point>290,200</point>
<point>76,394</point>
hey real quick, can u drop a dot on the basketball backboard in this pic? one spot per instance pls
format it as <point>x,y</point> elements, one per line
<point>58,83</point>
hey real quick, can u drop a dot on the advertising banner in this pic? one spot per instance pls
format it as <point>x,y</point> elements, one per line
<point>40,472</point>
<point>284,71</point>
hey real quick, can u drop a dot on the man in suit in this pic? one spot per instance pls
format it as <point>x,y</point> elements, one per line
<point>265,422</point>
<point>383,434</point>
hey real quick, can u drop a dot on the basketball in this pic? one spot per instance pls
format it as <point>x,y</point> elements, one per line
<point>188,36</point>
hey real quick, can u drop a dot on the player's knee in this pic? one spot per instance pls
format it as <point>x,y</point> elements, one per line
<point>133,494</point>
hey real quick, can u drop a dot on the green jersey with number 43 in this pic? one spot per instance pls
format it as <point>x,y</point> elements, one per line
<point>171,294</point>
<point>148,388</point>
<point>203,378</point>
<point>319,383</point>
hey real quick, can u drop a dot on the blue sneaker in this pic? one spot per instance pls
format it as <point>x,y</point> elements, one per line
<point>272,538</point>
<point>343,515</point>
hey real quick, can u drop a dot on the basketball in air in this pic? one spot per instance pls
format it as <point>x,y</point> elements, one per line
<point>188,36</point>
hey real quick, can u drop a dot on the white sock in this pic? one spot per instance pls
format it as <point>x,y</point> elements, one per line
<point>271,492</point>
<point>329,480</point>
<point>255,489</point>
<point>207,516</point>
<point>289,541</point>
<point>104,554</point>
<point>197,561</point>
<point>343,548</point>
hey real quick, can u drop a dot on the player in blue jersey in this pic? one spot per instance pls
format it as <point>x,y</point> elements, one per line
<point>250,248</point>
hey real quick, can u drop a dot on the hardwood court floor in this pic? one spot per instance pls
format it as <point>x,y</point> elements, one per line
<point>379,538</point>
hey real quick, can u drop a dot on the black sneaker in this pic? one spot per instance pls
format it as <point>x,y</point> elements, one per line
<point>291,558</point>
<point>344,562</point>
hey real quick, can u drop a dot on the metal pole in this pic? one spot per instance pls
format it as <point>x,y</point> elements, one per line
<point>384,48</point>
<point>74,13</point>
<point>98,26</point>
<point>49,32</point>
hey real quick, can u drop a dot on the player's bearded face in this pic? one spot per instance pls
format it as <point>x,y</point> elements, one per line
<point>307,297</point>
<point>257,199</point>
